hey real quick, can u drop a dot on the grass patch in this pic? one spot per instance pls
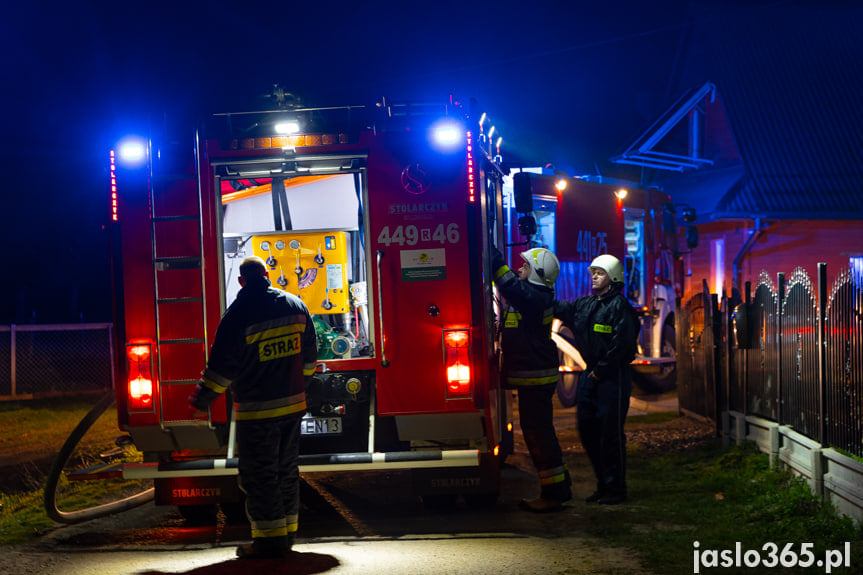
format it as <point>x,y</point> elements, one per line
<point>38,428</point>
<point>849,454</point>
<point>719,497</point>
<point>651,418</point>
<point>22,517</point>
<point>43,424</point>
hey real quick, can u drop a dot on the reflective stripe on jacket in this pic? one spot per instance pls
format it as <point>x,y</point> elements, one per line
<point>529,354</point>
<point>265,349</point>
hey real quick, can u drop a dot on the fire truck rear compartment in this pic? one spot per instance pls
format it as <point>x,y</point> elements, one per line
<point>320,219</point>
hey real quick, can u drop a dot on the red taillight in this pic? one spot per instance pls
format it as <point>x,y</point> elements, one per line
<point>457,362</point>
<point>458,375</point>
<point>140,361</point>
<point>139,352</point>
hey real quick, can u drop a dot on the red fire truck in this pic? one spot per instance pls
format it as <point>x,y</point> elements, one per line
<point>381,219</point>
<point>581,218</point>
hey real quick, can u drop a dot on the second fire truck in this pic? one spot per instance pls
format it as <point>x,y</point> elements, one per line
<point>581,218</point>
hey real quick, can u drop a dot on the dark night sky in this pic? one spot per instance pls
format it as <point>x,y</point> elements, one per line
<point>565,82</point>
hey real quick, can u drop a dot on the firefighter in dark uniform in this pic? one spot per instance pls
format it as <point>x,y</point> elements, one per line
<point>265,349</point>
<point>605,328</point>
<point>530,365</point>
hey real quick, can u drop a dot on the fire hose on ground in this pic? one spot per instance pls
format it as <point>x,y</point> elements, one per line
<point>56,472</point>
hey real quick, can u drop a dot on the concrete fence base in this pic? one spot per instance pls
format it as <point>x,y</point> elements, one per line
<point>836,477</point>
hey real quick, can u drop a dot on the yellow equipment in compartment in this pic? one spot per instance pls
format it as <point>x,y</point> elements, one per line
<point>312,266</point>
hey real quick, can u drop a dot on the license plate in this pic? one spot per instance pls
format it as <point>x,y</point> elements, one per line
<point>321,426</point>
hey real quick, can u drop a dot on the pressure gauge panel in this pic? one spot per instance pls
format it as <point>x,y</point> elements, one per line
<point>319,262</point>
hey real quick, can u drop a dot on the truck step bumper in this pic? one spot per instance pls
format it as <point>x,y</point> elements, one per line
<point>312,463</point>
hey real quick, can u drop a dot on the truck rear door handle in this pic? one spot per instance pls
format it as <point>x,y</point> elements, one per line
<point>384,361</point>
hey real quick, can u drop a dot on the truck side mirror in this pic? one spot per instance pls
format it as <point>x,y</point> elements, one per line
<point>692,237</point>
<point>526,226</point>
<point>742,321</point>
<point>689,215</point>
<point>522,192</point>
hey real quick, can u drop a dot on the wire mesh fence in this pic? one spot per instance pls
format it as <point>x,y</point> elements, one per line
<point>38,360</point>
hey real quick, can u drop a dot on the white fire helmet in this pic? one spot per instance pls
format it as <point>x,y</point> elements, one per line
<point>544,267</point>
<point>610,264</point>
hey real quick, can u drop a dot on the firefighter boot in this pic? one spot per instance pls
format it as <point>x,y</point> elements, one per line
<point>564,490</point>
<point>613,497</point>
<point>559,491</point>
<point>594,497</point>
<point>269,548</point>
<point>541,505</point>
<point>551,497</point>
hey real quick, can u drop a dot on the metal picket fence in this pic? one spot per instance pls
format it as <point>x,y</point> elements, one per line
<point>696,363</point>
<point>761,360</point>
<point>38,360</point>
<point>799,381</point>
<point>843,354</point>
<point>792,353</point>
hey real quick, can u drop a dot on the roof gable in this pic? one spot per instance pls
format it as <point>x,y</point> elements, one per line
<point>790,79</point>
<point>676,140</point>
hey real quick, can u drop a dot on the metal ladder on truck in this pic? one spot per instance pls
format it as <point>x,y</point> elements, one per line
<point>178,279</point>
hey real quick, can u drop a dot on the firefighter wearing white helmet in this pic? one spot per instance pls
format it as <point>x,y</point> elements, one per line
<point>544,266</point>
<point>530,365</point>
<point>610,265</point>
<point>605,328</point>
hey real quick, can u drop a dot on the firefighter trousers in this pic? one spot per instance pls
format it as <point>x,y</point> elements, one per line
<point>269,451</point>
<point>536,414</point>
<point>601,408</point>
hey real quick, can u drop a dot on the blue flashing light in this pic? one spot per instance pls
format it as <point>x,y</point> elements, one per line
<point>447,134</point>
<point>132,151</point>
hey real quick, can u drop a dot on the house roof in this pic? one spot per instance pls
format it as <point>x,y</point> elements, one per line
<point>702,190</point>
<point>644,151</point>
<point>790,78</point>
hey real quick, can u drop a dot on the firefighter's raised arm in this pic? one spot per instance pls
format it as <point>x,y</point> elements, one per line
<point>539,267</point>
<point>497,260</point>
